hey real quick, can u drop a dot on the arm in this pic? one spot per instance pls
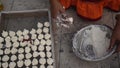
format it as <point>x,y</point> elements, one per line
<point>56,8</point>
<point>116,34</point>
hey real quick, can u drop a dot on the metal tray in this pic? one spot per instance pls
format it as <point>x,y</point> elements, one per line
<point>27,19</point>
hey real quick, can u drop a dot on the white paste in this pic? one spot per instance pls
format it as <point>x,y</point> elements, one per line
<point>12,64</point>
<point>27,49</point>
<point>27,62</point>
<point>41,48</point>
<point>48,48</point>
<point>36,42</point>
<point>11,33</point>
<point>13,58</point>
<point>39,25</point>
<point>20,56</point>
<point>4,33</point>
<point>49,54</point>
<point>47,36</point>
<point>7,51</point>
<point>42,42</point>
<point>40,36</point>
<point>25,32</point>
<point>42,54</point>
<point>13,50</point>
<point>42,61</point>
<point>16,44</point>
<point>28,55</point>
<point>5,65</point>
<point>45,30</point>
<point>20,63</point>
<point>34,61</point>
<point>48,42</point>
<point>34,48</point>
<point>19,33</point>
<point>50,61</point>
<point>46,24</point>
<point>5,58</point>
<point>35,54</point>
<point>20,50</point>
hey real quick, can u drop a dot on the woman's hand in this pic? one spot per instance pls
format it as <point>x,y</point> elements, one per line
<point>56,8</point>
<point>116,34</point>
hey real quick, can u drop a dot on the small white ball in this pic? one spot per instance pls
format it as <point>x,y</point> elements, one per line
<point>27,49</point>
<point>20,38</point>
<point>7,51</point>
<point>33,36</point>
<point>27,62</point>
<point>20,50</point>
<point>1,40</point>
<point>1,52</point>
<point>34,61</point>
<point>12,64</point>
<point>35,54</point>
<point>13,58</point>
<point>13,50</point>
<point>42,66</point>
<point>50,61</point>
<point>33,31</point>
<point>46,24</point>
<point>4,33</point>
<point>1,45</point>
<point>50,66</point>
<point>5,58</point>
<point>20,56</point>
<point>25,32</point>
<point>5,65</point>
<point>48,42</point>
<point>48,48</point>
<point>47,36</point>
<point>16,44</point>
<point>40,36</point>
<point>11,33</point>
<point>23,44</point>
<point>26,36</point>
<point>14,39</point>
<point>20,63</point>
<point>39,25</point>
<point>41,48</point>
<point>42,54</point>
<point>8,44</point>
<point>36,42</point>
<point>19,33</point>
<point>49,54</point>
<point>34,67</point>
<point>42,42</point>
<point>45,30</point>
<point>39,31</point>
<point>34,48</point>
<point>42,61</point>
<point>28,55</point>
<point>7,39</point>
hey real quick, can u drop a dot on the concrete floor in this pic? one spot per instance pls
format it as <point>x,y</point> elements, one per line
<point>64,56</point>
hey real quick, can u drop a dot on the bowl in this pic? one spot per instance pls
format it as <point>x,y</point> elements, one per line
<point>91,43</point>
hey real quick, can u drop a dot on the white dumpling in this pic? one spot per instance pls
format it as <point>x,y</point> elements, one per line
<point>50,61</point>
<point>7,51</point>
<point>1,45</point>
<point>42,61</point>
<point>20,63</point>
<point>40,36</point>
<point>34,48</point>
<point>34,61</point>
<point>19,33</point>
<point>42,54</point>
<point>42,66</point>
<point>8,44</point>
<point>27,49</point>
<point>50,66</point>
<point>5,65</point>
<point>13,58</point>
<point>14,38</point>
<point>16,44</point>
<point>33,36</point>
<point>47,36</point>
<point>4,33</point>
<point>49,54</point>
<point>48,42</point>
<point>41,48</point>
<point>39,31</point>
<point>48,48</point>
<point>1,40</point>
<point>45,30</point>
<point>46,24</point>
<point>14,50</point>
<point>20,38</point>
<point>26,36</point>
<point>12,64</point>
<point>39,25</point>
<point>42,42</point>
<point>33,31</point>
<point>25,32</point>
<point>28,55</point>
<point>27,62</point>
<point>34,67</point>
<point>20,50</point>
<point>36,42</point>
<point>12,33</point>
<point>20,56</point>
<point>5,58</point>
<point>7,39</point>
<point>35,54</point>
<point>1,52</point>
